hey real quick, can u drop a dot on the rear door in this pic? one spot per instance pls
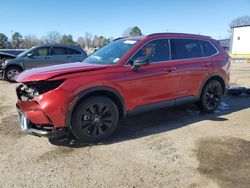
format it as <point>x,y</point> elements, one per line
<point>59,55</point>
<point>40,56</point>
<point>192,66</point>
<point>76,55</point>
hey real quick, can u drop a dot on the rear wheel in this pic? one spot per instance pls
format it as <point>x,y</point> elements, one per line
<point>10,73</point>
<point>95,119</point>
<point>210,96</point>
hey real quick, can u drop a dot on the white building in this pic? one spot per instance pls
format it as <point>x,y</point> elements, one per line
<point>240,42</point>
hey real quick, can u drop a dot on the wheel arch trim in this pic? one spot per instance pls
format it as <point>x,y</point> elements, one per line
<point>81,96</point>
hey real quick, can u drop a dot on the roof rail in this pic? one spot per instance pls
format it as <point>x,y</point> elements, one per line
<point>153,34</point>
<point>119,38</point>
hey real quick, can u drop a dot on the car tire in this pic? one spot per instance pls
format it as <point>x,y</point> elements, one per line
<point>10,73</point>
<point>211,96</point>
<point>94,119</point>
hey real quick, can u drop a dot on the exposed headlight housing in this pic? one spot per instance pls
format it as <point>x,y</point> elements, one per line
<point>30,90</point>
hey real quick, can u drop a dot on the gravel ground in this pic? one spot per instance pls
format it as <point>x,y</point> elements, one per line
<point>175,147</point>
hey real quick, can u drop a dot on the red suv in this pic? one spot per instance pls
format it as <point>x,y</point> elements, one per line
<point>127,76</point>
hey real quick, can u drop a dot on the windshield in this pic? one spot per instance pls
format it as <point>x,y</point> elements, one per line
<point>112,52</point>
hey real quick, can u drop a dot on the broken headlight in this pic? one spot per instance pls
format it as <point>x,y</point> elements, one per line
<point>30,90</point>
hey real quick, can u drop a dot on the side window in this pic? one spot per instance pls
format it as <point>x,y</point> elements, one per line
<point>71,51</point>
<point>185,48</point>
<point>208,49</point>
<point>44,51</point>
<point>60,51</point>
<point>157,50</point>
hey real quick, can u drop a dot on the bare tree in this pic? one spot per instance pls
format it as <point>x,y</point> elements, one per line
<point>96,42</point>
<point>52,37</point>
<point>81,41</point>
<point>240,21</point>
<point>30,41</point>
<point>88,39</point>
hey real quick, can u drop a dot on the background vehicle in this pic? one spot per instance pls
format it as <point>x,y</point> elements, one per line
<point>43,55</point>
<point>3,56</point>
<point>127,76</point>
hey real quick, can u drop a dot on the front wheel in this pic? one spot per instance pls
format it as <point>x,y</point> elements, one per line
<point>210,96</point>
<point>10,73</point>
<point>95,119</point>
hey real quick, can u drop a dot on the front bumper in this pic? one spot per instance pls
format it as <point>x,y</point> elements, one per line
<point>1,67</point>
<point>44,131</point>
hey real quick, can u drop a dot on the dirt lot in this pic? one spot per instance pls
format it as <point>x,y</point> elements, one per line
<point>175,147</point>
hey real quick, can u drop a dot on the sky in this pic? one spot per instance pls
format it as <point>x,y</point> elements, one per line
<point>110,18</point>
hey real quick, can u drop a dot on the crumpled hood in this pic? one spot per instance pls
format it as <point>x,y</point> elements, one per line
<point>44,73</point>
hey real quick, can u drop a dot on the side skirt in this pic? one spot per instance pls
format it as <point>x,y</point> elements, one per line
<point>164,104</point>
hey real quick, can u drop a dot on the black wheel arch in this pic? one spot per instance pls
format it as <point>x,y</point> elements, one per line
<point>108,92</point>
<point>15,65</point>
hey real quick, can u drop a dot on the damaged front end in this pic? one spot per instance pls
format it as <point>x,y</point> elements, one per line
<point>32,111</point>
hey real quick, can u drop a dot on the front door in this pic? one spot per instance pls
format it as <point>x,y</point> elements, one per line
<point>153,83</point>
<point>39,57</point>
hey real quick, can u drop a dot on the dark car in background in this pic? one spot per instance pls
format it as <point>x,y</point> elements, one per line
<point>7,54</point>
<point>42,55</point>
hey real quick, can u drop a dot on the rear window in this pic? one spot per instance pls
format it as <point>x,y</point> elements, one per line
<point>71,51</point>
<point>185,48</point>
<point>208,48</point>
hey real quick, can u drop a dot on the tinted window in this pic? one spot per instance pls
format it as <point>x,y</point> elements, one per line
<point>185,48</point>
<point>71,51</point>
<point>157,50</point>
<point>60,51</point>
<point>208,49</point>
<point>44,51</point>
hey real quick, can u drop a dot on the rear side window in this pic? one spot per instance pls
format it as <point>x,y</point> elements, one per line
<point>185,48</point>
<point>71,51</point>
<point>157,50</point>
<point>60,51</point>
<point>208,48</point>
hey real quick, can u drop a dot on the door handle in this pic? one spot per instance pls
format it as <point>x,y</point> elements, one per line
<point>169,69</point>
<point>68,56</point>
<point>46,58</point>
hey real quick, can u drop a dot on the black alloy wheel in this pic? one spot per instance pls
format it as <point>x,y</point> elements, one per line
<point>211,96</point>
<point>95,119</point>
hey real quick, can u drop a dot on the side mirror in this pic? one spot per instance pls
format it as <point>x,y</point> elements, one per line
<point>29,55</point>
<point>140,61</point>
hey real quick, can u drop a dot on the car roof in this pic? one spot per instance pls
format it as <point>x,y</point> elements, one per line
<point>59,45</point>
<point>181,35</point>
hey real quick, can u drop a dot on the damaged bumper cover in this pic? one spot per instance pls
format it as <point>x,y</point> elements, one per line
<point>41,131</point>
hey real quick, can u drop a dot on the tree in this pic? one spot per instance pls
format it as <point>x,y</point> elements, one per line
<point>126,32</point>
<point>52,37</point>
<point>96,42</point>
<point>3,41</point>
<point>240,21</point>
<point>17,40</point>
<point>88,39</point>
<point>81,41</point>
<point>135,31</point>
<point>67,40</point>
<point>30,41</point>
<point>103,41</point>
